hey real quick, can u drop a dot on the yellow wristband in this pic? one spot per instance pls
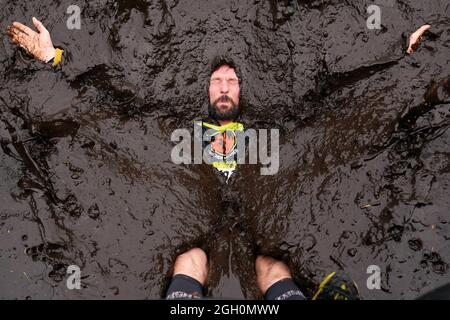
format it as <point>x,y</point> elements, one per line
<point>58,57</point>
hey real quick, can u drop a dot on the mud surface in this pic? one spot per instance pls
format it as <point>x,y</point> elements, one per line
<point>86,175</point>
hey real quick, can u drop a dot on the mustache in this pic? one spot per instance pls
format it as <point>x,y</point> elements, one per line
<point>223,99</point>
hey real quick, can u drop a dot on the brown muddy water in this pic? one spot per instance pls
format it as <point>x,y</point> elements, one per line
<point>85,167</point>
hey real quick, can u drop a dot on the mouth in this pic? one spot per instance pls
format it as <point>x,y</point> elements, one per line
<point>224,101</point>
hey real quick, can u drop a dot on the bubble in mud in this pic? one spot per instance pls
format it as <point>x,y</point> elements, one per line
<point>352,252</point>
<point>94,211</point>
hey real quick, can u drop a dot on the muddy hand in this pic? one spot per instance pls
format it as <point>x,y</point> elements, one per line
<point>38,44</point>
<point>416,38</point>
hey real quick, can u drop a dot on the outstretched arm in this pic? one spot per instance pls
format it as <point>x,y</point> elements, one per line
<point>38,44</point>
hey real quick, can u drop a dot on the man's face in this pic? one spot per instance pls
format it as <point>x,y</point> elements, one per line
<point>224,94</point>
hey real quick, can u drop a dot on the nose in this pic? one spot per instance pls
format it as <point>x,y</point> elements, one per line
<point>224,87</point>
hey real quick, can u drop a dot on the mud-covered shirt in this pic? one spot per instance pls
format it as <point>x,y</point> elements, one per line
<point>220,145</point>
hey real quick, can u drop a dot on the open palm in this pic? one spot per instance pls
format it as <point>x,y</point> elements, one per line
<point>38,44</point>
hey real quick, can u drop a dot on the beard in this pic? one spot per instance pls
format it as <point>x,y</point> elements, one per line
<point>229,114</point>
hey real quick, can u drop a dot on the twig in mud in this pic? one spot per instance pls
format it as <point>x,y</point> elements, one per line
<point>337,261</point>
<point>366,206</point>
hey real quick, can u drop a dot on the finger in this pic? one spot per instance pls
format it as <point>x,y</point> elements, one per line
<point>17,33</point>
<point>425,28</point>
<point>23,28</point>
<point>21,38</point>
<point>15,40</point>
<point>413,41</point>
<point>9,32</point>
<point>12,32</point>
<point>412,47</point>
<point>416,38</point>
<point>39,25</point>
<point>419,32</point>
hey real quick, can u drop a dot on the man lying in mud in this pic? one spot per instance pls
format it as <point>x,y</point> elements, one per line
<point>224,91</point>
<point>190,270</point>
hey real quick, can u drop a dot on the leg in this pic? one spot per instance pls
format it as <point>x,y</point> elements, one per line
<point>189,275</point>
<point>275,280</point>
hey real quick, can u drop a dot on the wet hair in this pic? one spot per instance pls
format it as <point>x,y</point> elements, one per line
<point>222,60</point>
